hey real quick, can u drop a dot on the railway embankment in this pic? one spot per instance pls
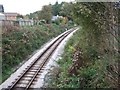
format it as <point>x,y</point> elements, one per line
<point>50,64</point>
<point>82,66</point>
<point>18,43</point>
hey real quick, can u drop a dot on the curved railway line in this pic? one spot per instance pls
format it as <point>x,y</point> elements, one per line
<point>29,77</point>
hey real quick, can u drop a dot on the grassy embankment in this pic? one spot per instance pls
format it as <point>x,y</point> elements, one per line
<point>90,70</point>
<point>20,42</point>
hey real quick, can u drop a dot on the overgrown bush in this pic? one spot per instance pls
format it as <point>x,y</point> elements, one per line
<point>19,42</point>
<point>92,74</point>
<point>99,42</point>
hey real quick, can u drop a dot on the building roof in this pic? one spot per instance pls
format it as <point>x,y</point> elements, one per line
<point>11,14</point>
<point>1,14</point>
<point>54,17</point>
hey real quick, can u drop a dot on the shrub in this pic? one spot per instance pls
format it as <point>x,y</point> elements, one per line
<point>19,42</point>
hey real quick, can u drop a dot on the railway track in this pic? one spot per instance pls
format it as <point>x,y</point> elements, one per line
<point>29,77</point>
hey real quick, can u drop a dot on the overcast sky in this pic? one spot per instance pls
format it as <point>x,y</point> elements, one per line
<point>26,6</point>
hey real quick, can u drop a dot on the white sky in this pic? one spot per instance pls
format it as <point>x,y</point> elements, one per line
<point>26,6</point>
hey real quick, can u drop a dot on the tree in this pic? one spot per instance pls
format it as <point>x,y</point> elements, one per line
<point>46,13</point>
<point>99,21</point>
<point>56,8</point>
<point>66,10</point>
<point>20,16</point>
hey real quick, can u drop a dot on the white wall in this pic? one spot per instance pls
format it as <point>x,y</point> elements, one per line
<point>2,17</point>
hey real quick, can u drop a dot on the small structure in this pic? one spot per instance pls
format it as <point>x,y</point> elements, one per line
<point>23,22</point>
<point>2,16</point>
<point>11,16</point>
<point>54,18</point>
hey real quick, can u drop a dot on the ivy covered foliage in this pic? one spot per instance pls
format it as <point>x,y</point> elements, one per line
<point>96,47</point>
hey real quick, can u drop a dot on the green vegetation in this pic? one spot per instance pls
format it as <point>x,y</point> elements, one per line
<point>90,59</point>
<point>19,42</point>
<point>45,13</point>
<point>90,74</point>
<point>63,9</point>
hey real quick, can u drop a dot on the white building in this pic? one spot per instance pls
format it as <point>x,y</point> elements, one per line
<point>2,16</point>
<point>23,22</point>
<point>54,18</point>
